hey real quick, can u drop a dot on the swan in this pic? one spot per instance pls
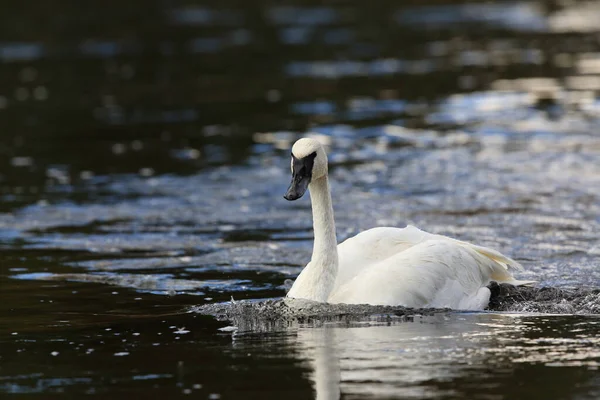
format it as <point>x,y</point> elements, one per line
<point>386,265</point>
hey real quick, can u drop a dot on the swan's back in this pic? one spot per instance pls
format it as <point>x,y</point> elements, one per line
<point>374,245</point>
<point>434,273</point>
<point>415,268</point>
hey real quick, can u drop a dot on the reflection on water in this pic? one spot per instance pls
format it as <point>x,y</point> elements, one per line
<point>144,150</point>
<point>447,356</point>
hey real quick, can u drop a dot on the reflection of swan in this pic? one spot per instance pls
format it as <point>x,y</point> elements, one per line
<point>413,360</point>
<point>319,344</point>
<point>388,266</point>
<point>444,355</point>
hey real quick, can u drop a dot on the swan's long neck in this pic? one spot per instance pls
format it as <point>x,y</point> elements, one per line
<point>318,278</point>
<point>325,247</point>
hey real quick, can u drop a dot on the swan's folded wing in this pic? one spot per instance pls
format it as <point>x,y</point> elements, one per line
<point>373,246</point>
<point>502,266</point>
<point>433,273</point>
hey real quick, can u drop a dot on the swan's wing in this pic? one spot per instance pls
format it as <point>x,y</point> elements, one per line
<point>372,246</point>
<point>433,273</point>
<point>502,266</point>
<point>375,245</point>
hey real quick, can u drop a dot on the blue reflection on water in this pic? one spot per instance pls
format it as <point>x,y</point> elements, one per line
<point>21,51</point>
<point>314,108</point>
<point>302,15</point>
<point>517,16</point>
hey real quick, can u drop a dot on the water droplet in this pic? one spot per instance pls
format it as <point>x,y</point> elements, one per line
<point>85,175</point>
<point>118,148</point>
<point>273,96</point>
<point>21,161</point>
<point>40,93</point>
<point>146,172</point>
<point>137,145</point>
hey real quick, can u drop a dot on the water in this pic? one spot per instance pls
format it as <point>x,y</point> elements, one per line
<point>143,164</point>
<point>443,356</point>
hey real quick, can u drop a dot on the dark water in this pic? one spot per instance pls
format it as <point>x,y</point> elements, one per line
<point>144,154</point>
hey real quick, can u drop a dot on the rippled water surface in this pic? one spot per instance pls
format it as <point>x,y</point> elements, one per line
<point>143,162</point>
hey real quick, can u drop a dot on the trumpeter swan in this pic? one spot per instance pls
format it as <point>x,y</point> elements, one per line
<point>387,266</point>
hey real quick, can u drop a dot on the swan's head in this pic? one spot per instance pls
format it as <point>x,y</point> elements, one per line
<point>309,162</point>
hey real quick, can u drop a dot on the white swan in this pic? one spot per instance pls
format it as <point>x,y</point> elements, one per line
<point>387,266</point>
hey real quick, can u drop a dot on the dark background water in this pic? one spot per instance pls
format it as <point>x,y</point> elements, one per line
<point>113,87</point>
<point>143,155</point>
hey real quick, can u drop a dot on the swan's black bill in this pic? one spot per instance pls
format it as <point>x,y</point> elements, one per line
<point>301,176</point>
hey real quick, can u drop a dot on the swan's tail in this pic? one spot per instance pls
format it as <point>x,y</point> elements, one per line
<point>502,265</point>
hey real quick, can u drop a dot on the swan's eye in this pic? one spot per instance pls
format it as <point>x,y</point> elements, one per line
<point>303,167</point>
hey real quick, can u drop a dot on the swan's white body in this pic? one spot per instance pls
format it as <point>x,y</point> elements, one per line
<point>392,266</point>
